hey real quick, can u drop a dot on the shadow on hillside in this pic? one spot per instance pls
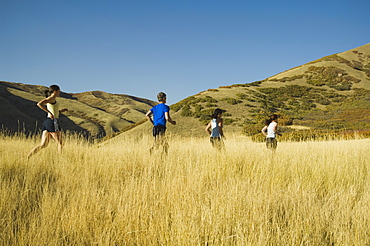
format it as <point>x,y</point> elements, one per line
<point>22,115</point>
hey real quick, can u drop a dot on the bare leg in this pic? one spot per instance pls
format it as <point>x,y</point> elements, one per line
<point>160,141</point>
<point>44,142</point>
<point>57,136</point>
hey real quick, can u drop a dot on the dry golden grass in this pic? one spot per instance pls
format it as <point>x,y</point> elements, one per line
<point>309,193</point>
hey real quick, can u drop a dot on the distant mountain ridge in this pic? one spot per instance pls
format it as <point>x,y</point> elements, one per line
<point>331,94</point>
<point>95,114</point>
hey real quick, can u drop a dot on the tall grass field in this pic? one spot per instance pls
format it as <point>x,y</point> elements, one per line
<point>306,193</point>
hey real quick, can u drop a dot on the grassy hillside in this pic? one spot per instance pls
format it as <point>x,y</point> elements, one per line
<point>95,114</point>
<point>329,94</point>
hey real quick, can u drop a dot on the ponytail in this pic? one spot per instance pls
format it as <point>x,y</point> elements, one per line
<point>50,90</point>
<point>267,122</point>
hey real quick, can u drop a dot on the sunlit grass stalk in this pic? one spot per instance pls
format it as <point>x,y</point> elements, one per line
<point>307,193</point>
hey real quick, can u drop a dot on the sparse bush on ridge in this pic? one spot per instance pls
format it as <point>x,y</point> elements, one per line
<point>257,83</point>
<point>287,79</point>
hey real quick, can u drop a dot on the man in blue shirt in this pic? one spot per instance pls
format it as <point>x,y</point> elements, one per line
<point>161,114</point>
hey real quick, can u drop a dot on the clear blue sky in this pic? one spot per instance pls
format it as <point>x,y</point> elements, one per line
<point>141,47</point>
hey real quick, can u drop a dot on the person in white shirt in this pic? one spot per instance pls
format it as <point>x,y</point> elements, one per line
<point>270,131</point>
<point>214,129</point>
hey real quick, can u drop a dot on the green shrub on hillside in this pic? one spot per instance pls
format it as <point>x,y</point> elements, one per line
<point>307,104</point>
<point>192,100</point>
<point>186,112</point>
<point>318,98</point>
<point>242,96</point>
<point>333,77</point>
<point>334,57</point>
<point>198,111</point>
<point>338,99</point>
<point>287,79</point>
<point>257,83</point>
<point>366,69</point>
<point>209,105</point>
<point>252,129</point>
<point>287,91</point>
<point>231,101</point>
<point>329,94</point>
<point>361,92</point>
<point>229,121</point>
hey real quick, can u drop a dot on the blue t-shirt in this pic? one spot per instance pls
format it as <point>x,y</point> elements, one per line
<point>158,114</point>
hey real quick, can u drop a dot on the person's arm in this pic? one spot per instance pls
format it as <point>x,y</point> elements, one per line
<point>264,130</point>
<point>148,116</point>
<point>220,127</point>
<point>168,118</point>
<point>208,128</point>
<point>276,130</point>
<point>42,105</point>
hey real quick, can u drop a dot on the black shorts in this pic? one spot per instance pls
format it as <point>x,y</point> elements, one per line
<point>50,125</point>
<point>158,130</point>
<point>271,143</point>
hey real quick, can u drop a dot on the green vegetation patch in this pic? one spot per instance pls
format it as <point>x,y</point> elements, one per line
<point>231,101</point>
<point>333,77</point>
<point>187,102</point>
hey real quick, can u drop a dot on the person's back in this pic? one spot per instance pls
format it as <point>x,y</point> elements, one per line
<point>159,111</point>
<point>215,132</point>
<point>161,114</point>
<point>214,129</point>
<point>271,130</point>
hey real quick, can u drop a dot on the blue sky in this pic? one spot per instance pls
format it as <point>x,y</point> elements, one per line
<point>183,47</point>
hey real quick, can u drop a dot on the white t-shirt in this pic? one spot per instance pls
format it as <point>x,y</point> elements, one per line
<point>271,130</point>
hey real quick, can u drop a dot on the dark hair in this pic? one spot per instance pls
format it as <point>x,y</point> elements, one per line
<point>267,122</point>
<point>216,113</point>
<point>51,89</point>
<point>273,117</point>
<point>161,96</point>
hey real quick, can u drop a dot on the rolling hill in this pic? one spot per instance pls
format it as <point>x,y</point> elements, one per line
<point>330,95</point>
<point>95,114</point>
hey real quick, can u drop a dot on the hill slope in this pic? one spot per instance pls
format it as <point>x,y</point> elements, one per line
<point>95,114</point>
<point>329,94</point>
<point>332,93</point>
